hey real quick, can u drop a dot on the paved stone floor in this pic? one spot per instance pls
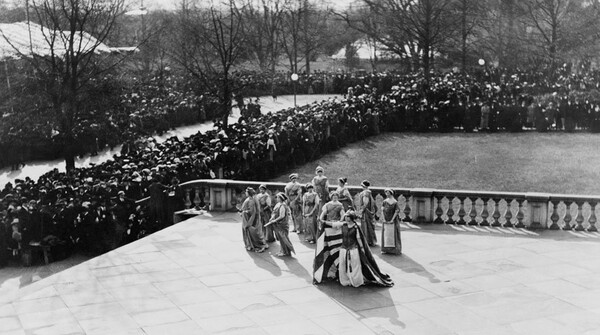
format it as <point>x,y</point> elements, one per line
<point>197,278</point>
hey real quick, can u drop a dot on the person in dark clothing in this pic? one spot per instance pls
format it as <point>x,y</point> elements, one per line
<point>158,201</point>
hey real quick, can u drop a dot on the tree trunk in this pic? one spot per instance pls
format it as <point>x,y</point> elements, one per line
<point>464,37</point>
<point>426,62</point>
<point>307,57</point>
<point>226,101</point>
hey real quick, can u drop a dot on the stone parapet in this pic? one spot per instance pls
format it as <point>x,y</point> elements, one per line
<point>422,205</point>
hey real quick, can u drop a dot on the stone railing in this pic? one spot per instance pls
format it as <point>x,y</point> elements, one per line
<point>475,208</point>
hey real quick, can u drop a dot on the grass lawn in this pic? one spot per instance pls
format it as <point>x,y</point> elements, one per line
<point>517,162</point>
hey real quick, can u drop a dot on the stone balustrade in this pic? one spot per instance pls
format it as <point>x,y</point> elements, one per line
<point>421,206</point>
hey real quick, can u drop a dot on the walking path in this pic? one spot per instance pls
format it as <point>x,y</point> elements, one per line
<point>35,169</point>
<point>196,278</point>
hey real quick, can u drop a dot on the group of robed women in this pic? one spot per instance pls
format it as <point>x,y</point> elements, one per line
<point>328,219</point>
<point>262,225</point>
<point>317,205</point>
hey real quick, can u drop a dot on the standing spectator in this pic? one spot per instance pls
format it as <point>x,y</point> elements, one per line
<point>485,116</point>
<point>158,200</point>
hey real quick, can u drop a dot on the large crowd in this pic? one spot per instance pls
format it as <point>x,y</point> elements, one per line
<point>94,209</point>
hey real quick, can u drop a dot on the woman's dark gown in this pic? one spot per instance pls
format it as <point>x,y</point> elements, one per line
<point>265,215</point>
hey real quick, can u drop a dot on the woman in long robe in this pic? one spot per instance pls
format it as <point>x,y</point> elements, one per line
<point>344,194</point>
<point>264,204</point>
<point>356,265</point>
<point>321,184</point>
<point>390,234</point>
<point>331,211</point>
<point>293,192</point>
<point>251,223</point>
<point>280,220</point>
<point>310,200</point>
<point>366,209</point>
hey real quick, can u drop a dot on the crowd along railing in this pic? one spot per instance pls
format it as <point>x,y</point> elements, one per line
<point>424,206</point>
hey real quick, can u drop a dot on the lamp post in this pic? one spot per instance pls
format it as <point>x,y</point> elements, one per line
<point>294,78</point>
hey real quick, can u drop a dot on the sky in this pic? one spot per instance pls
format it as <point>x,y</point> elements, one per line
<point>171,4</point>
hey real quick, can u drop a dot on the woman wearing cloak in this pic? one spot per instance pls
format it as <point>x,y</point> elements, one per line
<point>280,220</point>
<point>366,210</point>
<point>251,223</point>
<point>264,204</point>
<point>345,244</point>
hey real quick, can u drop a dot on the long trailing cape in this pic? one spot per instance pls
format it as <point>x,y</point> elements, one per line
<point>326,261</point>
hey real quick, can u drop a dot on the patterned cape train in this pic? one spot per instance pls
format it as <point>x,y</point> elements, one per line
<point>326,262</point>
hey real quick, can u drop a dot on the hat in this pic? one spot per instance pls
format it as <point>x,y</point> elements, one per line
<point>388,190</point>
<point>121,193</point>
<point>319,169</point>
<point>365,183</point>
<point>282,196</point>
<point>293,176</point>
<point>343,179</point>
<point>309,185</point>
<point>332,193</point>
<point>262,186</point>
<point>250,191</point>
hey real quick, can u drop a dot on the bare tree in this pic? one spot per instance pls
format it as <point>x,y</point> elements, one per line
<point>314,30</point>
<point>402,25</point>
<point>208,42</point>
<point>548,17</point>
<point>469,16</point>
<point>73,33</point>
<point>262,20</point>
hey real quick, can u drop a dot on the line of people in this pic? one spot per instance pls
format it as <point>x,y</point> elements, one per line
<point>331,220</point>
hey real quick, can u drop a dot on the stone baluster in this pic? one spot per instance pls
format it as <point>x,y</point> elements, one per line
<point>496,214</point>
<point>206,198</point>
<point>554,217</point>
<point>592,219</point>
<point>520,214</point>
<point>407,208</point>
<point>188,201</point>
<point>439,211</point>
<point>450,211</point>
<point>203,198</point>
<point>568,218</point>
<point>484,212</point>
<point>508,215</point>
<point>461,211</point>
<point>537,207</point>
<point>473,212</point>
<point>579,218</point>
<point>197,197</point>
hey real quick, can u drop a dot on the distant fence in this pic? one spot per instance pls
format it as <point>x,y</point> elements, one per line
<point>421,206</point>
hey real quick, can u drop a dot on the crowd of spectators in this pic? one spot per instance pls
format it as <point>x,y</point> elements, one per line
<point>94,209</point>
